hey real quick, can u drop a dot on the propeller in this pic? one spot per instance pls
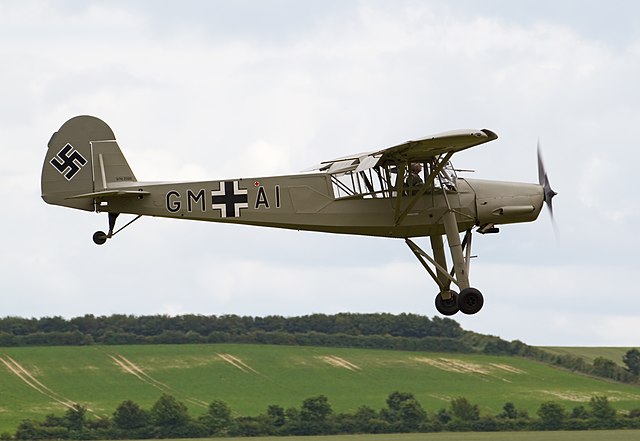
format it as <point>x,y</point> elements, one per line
<point>543,179</point>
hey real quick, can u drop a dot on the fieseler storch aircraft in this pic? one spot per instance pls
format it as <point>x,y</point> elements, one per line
<point>407,191</point>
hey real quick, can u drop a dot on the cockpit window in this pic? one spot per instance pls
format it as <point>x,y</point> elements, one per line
<point>381,181</point>
<point>372,183</point>
<point>447,177</point>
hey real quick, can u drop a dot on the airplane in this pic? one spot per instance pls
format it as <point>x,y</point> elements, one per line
<point>407,191</point>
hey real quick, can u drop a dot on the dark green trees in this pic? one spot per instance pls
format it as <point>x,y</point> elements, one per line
<point>632,360</point>
<point>218,418</point>
<point>314,416</point>
<point>128,416</point>
<point>552,415</point>
<point>169,418</point>
<point>404,413</point>
<point>462,409</point>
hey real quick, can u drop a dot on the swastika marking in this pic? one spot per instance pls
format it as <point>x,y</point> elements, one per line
<point>68,161</point>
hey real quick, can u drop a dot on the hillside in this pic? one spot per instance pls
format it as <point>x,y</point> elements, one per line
<point>36,380</point>
<point>590,353</point>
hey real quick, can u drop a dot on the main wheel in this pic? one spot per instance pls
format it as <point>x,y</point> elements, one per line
<point>449,306</point>
<point>99,237</point>
<point>470,301</point>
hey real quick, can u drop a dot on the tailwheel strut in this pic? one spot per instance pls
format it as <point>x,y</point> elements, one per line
<point>100,237</point>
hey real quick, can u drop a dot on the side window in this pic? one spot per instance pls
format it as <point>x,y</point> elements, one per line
<point>367,184</point>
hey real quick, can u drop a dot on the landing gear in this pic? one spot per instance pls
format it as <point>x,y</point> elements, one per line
<point>470,301</point>
<point>449,302</point>
<point>100,237</point>
<point>448,306</point>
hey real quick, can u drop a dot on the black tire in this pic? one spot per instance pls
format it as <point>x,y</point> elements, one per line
<point>470,301</point>
<point>447,307</point>
<point>99,237</point>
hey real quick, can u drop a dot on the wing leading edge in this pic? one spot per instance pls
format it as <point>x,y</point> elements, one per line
<point>418,150</point>
<point>424,149</point>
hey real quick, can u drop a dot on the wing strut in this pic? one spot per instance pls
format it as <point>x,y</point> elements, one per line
<point>429,184</point>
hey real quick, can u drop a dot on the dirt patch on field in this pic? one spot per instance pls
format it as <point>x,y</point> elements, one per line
<point>136,370</point>
<point>615,395</point>
<point>336,361</point>
<point>131,368</point>
<point>452,365</point>
<point>90,368</point>
<point>28,377</point>
<point>507,368</point>
<point>582,397</point>
<point>237,363</point>
<point>567,395</point>
<point>183,362</point>
<point>467,367</point>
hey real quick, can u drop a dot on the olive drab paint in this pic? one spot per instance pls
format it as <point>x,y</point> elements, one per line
<point>364,194</point>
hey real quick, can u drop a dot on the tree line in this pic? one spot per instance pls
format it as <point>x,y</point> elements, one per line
<point>169,418</point>
<point>409,332</point>
<point>98,328</point>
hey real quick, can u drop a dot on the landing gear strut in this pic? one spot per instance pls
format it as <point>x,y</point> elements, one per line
<point>449,302</point>
<point>100,237</point>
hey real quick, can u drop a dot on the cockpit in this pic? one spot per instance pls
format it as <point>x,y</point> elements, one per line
<point>381,181</point>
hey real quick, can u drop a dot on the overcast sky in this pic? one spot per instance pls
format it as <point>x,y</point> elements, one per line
<point>224,89</point>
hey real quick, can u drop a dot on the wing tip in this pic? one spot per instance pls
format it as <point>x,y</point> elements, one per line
<point>490,134</point>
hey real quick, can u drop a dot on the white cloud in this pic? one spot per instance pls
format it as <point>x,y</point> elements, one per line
<point>187,101</point>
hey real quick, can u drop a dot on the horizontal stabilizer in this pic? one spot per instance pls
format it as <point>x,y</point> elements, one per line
<point>102,194</point>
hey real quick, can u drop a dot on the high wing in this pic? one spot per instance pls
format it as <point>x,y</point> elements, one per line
<point>418,150</point>
<point>424,149</point>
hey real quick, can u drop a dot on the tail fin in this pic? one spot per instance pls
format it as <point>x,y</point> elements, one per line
<point>83,159</point>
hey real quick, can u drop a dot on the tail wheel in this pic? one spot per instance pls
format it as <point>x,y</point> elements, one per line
<point>99,237</point>
<point>470,301</point>
<point>448,306</point>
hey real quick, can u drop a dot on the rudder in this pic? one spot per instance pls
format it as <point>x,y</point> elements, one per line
<point>82,158</point>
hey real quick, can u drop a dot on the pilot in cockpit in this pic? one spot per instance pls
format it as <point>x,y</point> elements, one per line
<point>414,181</point>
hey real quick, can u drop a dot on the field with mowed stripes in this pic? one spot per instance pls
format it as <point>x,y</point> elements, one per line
<point>38,381</point>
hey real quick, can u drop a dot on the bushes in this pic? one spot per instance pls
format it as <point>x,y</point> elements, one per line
<point>169,418</point>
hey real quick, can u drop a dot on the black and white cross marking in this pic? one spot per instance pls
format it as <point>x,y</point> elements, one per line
<point>229,199</point>
<point>68,161</point>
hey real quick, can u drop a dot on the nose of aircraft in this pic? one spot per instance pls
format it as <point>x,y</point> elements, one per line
<point>543,179</point>
<point>500,202</point>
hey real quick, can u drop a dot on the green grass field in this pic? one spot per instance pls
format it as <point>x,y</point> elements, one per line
<point>590,353</point>
<point>36,381</point>
<point>604,435</point>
